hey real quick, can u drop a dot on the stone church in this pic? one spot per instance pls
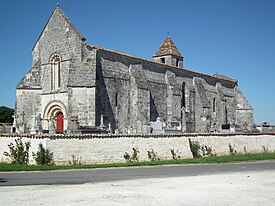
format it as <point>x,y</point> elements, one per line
<point>74,86</point>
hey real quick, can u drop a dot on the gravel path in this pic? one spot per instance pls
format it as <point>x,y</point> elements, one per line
<point>238,188</point>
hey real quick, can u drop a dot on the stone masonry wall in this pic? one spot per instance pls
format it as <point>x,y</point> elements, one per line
<point>209,102</point>
<point>77,69</point>
<point>27,103</point>
<point>128,91</point>
<point>111,148</point>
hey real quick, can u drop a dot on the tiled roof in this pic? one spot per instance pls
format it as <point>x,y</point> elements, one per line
<point>223,77</point>
<point>168,48</point>
<point>159,63</point>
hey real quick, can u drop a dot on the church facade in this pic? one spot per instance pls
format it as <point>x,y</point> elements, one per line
<point>75,86</point>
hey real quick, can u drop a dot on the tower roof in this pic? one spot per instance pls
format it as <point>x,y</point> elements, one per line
<point>168,48</point>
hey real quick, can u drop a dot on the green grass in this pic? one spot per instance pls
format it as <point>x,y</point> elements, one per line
<point>219,159</point>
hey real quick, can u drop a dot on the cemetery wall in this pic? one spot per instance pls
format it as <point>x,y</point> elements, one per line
<point>111,148</point>
<point>5,127</point>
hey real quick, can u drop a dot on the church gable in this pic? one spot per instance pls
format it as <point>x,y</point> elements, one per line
<point>57,16</point>
<point>58,36</point>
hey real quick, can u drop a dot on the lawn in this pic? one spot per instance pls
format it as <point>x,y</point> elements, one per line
<point>218,159</point>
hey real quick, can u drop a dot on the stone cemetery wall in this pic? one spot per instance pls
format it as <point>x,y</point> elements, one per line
<point>5,127</point>
<point>90,149</point>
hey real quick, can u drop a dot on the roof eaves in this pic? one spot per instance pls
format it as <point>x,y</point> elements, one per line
<point>159,63</point>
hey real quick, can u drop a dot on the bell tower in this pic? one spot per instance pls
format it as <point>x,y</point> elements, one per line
<point>168,53</point>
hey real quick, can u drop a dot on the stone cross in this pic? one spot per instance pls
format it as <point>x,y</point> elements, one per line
<point>33,129</point>
<point>102,122</point>
<point>38,123</point>
<point>110,128</point>
<point>52,125</point>
<point>23,117</point>
<point>14,128</point>
<point>183,119</point>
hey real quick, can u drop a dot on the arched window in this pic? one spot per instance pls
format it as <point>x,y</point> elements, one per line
<point>183,95</point>
<point>214,105</point>
<point>225,111</point>
<point>116,100</point>
<point>55,74</point>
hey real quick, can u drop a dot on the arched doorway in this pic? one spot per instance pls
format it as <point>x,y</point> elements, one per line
<point>55,110</point>
<point>59,122</point>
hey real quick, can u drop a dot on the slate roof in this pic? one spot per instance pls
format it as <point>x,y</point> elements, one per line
<point>168,48</point>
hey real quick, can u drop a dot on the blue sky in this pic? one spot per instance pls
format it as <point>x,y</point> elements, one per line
<point>235,38</point>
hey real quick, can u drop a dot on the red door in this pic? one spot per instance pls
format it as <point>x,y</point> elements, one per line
<point>59,122</point>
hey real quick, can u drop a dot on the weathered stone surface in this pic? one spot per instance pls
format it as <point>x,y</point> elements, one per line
<point>111,148</point>
<point>86,82</point>
<point>5,127</point>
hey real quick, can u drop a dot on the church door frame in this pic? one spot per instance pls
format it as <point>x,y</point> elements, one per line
<point>52,109</point>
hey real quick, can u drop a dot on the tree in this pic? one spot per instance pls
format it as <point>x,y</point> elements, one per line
<point>6,114</point>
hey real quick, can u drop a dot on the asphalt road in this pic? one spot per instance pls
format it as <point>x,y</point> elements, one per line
<point>116,174</point>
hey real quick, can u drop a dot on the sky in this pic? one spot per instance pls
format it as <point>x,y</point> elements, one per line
<point>235,38</point>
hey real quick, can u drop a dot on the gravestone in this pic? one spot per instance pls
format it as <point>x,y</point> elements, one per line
<point>33,129</point>
<point>102,126</point>
<point>139,127</point>
<point>38,125</point>
<point>22,125</point>
<point>73,125</point>
<point>157,126</point>
<point>110,128</point>
<point>52,126</point>
<point>232,128</point>
<point>15,128</point>
<point>183,120</point>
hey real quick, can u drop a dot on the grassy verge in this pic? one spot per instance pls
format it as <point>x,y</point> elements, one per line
<point>219,159</point>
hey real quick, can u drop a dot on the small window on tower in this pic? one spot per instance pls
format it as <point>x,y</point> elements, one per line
<point>177,62</point>
<point>162,60</point>
<point>214,105</point>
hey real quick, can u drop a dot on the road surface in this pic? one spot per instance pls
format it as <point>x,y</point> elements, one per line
<point>206,184</point>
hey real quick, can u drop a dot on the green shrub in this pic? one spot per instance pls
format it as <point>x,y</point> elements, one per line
<point>127,157</point>
<point>6,114</point>
<point>133,158</point>
<point>174,154</point>
<point>207,151</point>
<point>152,155</point>
<point>19,153</point>
<point>265,149</point>
<point>75,160</point>
<point>231,150</point>
<point>43,156</point>
<point>195,148</point>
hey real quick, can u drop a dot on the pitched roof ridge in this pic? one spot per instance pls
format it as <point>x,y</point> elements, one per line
<point>154,62</point>
<point>59,10</point>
